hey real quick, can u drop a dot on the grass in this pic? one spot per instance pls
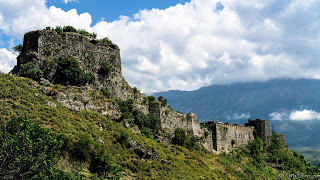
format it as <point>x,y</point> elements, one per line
<point>22,97</point>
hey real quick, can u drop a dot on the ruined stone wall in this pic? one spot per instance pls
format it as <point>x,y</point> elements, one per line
<point>228,136</point>
<point>171,120</point>
<point>43,47</point>
<point>262,128</point>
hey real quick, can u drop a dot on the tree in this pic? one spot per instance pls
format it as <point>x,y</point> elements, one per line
<point>180,137</point>
<point>27,149</point>
<point>18,48</point>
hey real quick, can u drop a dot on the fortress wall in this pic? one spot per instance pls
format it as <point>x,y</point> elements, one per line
<point>171,120</point>
<point>44,46</point>
<point>229,136</point>
<point>262,128</point>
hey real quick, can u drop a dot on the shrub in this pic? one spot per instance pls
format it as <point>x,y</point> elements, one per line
<point>69,29</point>
<point>106,93</point>
<point>30,70</point>
<point>145,100</point>
<point>70,73</point>
<point>18,48</point>
<point>27,149</point>
<point>135,93</point>
<point>107,40</point>
<point>180,137</point>
<point>59,29</point>
<point>162,100</point>
<point>151,98</point>
<point>105,69</point>
<point>233,142</point>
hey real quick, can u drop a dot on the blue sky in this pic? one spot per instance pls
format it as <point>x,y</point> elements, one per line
<point>175,44</point>
<point>110,10</point>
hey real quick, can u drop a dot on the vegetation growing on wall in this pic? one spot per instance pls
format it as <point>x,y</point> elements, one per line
<point>83,32</point>
<point>70,73</point>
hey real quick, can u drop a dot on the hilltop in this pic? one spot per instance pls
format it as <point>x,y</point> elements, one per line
<point>111,130</point>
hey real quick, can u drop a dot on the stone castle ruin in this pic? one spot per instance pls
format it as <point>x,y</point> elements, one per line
<point>44,47</point>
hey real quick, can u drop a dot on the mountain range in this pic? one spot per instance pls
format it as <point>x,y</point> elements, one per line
<point>283,101</point>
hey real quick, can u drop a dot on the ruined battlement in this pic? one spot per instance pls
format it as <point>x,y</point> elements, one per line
<point>44,47</point>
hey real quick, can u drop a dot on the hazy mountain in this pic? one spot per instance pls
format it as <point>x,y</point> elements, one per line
<point>238,102</point>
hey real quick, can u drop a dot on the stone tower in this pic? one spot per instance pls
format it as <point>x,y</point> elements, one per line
<point>44,47</point>
<point>262,128</point>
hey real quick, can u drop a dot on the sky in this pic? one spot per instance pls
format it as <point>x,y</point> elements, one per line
<point>180,44</point>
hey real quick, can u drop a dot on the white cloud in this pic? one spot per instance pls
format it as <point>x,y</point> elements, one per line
<point>276,116</point>
<point>192,45</point>
<point>236,116</point>
<point>245,41</point>
<point>7,60</point>
<point>17,17</point>
<point>295,115</point>
<point>68,1</point>
<point>304,115</point>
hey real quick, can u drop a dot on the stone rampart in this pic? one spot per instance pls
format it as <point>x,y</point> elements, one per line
<point>44,47</point>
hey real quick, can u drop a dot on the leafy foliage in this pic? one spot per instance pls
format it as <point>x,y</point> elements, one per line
<point>60,30</point>
<point>106,93</point>
<point>18,48</point>
<point>70,73</point>
<point>30,70</point>
<point>27,149</point>
<point>107,40</point>
<point>162,100</point>
<point>151,98</point>
<point>105,69</point>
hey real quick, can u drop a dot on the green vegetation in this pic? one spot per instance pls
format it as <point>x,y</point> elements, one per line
<point>107,40</point>
<point>18,48</point>
<point>70,73</point>
<point>60,30</point>
<point>162,100</point>
<point>311,154</point>
<point>29,151</point>
<point>151,98</point>
<point>30,70</point>
<point>105,68</point>
<point>148,124</point>
<point>99,148</point>
<point>181,139</point>
<point>106,93</point>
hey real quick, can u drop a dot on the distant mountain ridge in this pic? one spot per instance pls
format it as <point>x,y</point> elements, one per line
<point>241,101</point>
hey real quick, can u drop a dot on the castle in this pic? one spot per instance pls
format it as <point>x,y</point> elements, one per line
<point>44,47</point>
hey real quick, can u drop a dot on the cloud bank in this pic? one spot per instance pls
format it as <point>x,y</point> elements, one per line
<point>296,115</point>
<point>195,44</point>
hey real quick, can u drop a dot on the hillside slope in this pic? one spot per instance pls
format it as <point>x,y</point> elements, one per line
<point>140,157</point>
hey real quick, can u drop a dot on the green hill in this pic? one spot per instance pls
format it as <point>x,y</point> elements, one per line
<point>92,139</point>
